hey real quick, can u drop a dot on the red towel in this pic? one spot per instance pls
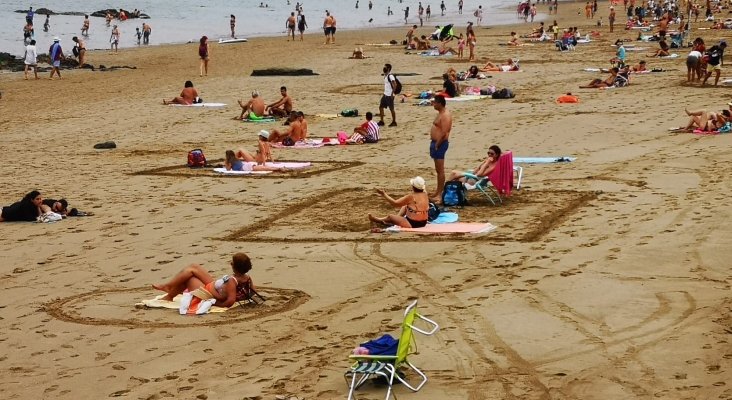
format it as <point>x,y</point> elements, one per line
<point>502,176</point>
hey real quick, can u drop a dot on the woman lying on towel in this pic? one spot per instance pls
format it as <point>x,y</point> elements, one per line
<point>233,163</point>
<point>707,121</point>
<point>599,83</point>
<point>414,207</point>
<point>484,169</point>
<point>509,66</point>
<point>264,150</point>
<point>226,290</point>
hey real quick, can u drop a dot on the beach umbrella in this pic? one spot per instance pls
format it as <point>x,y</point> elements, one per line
<point>446,32</point>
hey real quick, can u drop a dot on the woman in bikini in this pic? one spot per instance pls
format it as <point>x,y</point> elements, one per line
<point>484,169</point>
<point>414,207</point>
<point>705,120</point>
<point>241,161</point>
<point>599,83</point>
<point>203,53</point>
<point>226,290</point>
<point>509,66</point>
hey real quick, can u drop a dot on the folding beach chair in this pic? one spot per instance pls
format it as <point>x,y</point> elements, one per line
<point>366,366</point>
<point>499,183</point>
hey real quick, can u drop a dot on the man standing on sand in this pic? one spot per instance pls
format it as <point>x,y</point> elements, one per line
<point>81,50</point>
<point>56,54</point>
<point>439,142</point>
<point>327,26</point>
<point>290,25</point>
<point>254,107</point>
<point>232,24</point>
<point>410,34</point>
<point>387,99</point>
<point>281,107</point>
<point>611,18</point>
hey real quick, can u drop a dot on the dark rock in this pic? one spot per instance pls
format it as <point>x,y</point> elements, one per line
<point>115,14</point>
<point>106,145</point>
<point>283,72</point>
<point>46,11</point>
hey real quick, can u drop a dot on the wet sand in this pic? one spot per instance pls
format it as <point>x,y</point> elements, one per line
<point>607,277</point>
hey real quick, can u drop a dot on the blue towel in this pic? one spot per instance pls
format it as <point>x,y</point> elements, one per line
<point>445,218</point>
<point>385,345</point>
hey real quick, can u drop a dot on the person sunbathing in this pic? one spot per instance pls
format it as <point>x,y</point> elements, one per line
<point>357,54</point>
<point>514,41</point>
<point>253,108</point>
<point>509,65</point>
<point>663,51</point>
<point>483,169</point>
<point>473,72</point>
<point>445,49</point>
<point>264,151</point>
<point>226,290</point>
<point>706,120</point>
<point>414,207</point>
<point>423,43</point>
<point>234,163</point>
<point>187,97</point>
<point>640,67</point>
<point>599,83</point>
<point>538,32</point>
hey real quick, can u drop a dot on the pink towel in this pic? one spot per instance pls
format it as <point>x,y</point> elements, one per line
<point>502,176</point>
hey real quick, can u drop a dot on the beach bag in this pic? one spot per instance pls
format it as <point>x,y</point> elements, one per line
<point>398,86</point>
<point>196,159</point>
<point>454,194</point>
<point>349,112</point>
<point>433,212</point>
<point>504,93</point>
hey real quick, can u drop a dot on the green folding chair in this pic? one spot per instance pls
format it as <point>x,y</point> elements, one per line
<point>367,366</point>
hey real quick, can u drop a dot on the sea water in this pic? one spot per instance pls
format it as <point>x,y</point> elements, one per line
<point>182,21</point>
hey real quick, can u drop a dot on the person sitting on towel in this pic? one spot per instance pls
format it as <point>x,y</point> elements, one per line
<point>368,132</point>
<point>445,49</point>
<point>187,97</point>
<point>449,88</point>
<point>484,169</point>
<point>264,151</point>
<point>226,290</point>
<point>413,210</point>
<point>599,83</point>
<point>233,163</point>
<point>422,43</point>
<point>254,108</point>
<point>296,130</point>
<point>281,107</point>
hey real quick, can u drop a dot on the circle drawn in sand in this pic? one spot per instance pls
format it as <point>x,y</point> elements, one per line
<point>94,308</point>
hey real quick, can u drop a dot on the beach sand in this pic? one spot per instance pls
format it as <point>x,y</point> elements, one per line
<point>607,278</point>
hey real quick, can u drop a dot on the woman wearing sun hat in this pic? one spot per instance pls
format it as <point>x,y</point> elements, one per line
<point>414,207</point>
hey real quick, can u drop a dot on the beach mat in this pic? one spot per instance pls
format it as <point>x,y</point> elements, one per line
<point>468,97</point>
<point>308,144</point>
<point>260,120</point>
<point>225,172</point>
<point>204,105</point>
<point>542,160</point>
<point>158,302</point>
<point>457,227</point>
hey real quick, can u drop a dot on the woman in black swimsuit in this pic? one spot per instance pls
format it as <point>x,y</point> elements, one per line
<point>414,207</point>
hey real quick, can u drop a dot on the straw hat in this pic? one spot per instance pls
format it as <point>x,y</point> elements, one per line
<point>417,183</point>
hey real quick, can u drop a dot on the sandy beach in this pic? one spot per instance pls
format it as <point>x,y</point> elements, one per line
<point>605,279</point>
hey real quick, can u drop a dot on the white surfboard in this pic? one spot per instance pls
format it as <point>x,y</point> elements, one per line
<point>227,41</point>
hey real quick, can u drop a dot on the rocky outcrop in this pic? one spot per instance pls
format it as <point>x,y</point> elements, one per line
<point>115,14</point>
<point>46,11</point>
<point>100,13</point>
<point>15,64</point>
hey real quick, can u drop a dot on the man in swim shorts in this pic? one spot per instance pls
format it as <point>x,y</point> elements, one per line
<point>290,25</point>
<point>294,131</point>
<point>254,107</point>
<point>439,142</point>
<point>327,26</point>
<point>282,107</point>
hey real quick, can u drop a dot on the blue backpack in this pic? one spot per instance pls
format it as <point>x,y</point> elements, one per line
<point>454,194</point>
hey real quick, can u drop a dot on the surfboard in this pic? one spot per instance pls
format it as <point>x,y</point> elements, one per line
<point>227,41</point>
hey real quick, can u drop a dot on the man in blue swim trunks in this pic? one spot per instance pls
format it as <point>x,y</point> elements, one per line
<point>439,142</point>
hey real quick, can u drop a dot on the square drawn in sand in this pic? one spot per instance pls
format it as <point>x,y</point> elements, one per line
<point>341,216</point>
<point>316,168</point>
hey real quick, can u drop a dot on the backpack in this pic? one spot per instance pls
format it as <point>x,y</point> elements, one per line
<point>350,112</point>
<point>196,159</point>
<point>398,86</point>
<point>433,212</point>
<point>504,93</point>
<point>454,194</point>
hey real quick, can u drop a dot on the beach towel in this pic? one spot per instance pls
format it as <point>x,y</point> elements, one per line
<point>268,119</point>
<point>672,55</point>
<point>309,144</point>
<point>502,176</point>
<point>542,160</point>
<point>205,105</point>
<point>445,218</point>
<point>158,302</point>
<point>468,97</point>
<point>225,172</point>
<point>457,227</point>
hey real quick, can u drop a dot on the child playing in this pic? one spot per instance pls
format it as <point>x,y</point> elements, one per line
<point>461,45</point>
